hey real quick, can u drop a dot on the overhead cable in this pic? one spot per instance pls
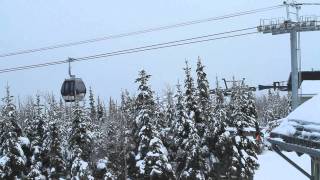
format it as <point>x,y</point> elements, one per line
<point>188,41</point>
<point>161,28</point>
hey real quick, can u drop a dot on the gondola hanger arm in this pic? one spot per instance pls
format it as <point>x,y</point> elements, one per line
<point>70,60</point>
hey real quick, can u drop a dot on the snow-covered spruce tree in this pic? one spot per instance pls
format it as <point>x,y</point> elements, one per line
<point>244,160</point>
<point>151,155</point>
<point>169,108</point>
<point>121,166</point>
<point>182,130</point>
<point>20,113</point>
<point>12,157</point>
<point>261,102</point>
<point>100,111</point>
<point>218,139</point>
<point>36,127</point>
<point>54,144</point>
<point>36,130</point>
<point>55,111</point>
<point>251,111</point>
<point>92,106</point>
<point>8,112</point>
<point>63,109</point>
<point>206,114</point>
<point>95,128</point>
<point>114,137</point>
<point>161,121</point>
<point>269,111</point>
<point>189,158</point>
<point>56,165</point>
<point>191,104</point>
<point>80,145</point>
<point>203,97</point>
<point>128,112</point>
<point>169,118</point>
<point>24,111</point>
<point>112,108</point>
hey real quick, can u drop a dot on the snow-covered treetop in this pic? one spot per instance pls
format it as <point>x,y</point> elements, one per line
<point>8,109</point>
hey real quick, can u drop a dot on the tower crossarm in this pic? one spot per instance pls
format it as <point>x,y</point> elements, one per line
<point>281,26</point>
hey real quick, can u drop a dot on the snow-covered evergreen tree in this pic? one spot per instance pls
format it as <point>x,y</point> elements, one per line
<point>114,139</point>
<point>92,106</point>
<point>36,130</point>
<point>244,160</point>
<point>161,120</point>
<point>9,112</point>
<point>203,97</point>
<point>151,155</point>
<point>80,143</point>
<point>57,167</point>
<point>206,117</point>
<point>219,140</point>
<point>191,163</point>
<point>100,111</point>
<point>186,138</point>
<point>190,99</point>
<point>54,142</point>
<point>128,112</point>
<point>95,127</point>
<point>169,108</point>
<point>169,117</point>
<point>12,157</point>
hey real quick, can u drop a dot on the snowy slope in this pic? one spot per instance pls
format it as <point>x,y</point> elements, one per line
<point>274,167</point>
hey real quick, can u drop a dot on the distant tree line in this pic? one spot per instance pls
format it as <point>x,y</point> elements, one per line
<point>272,107</point>
<point>183,135</point>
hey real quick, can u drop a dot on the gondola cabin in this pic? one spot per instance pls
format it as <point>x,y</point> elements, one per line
<point>73,89</point>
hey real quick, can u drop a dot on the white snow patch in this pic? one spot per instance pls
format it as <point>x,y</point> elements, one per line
<point>152,154</point>
<point>155,172</point>
<point>272,166</point>
<point>306,115</point>
<point>141,165</point>
<point>286,128</point>
<point>24,141</point>
<point>4,160</point>
<point>308,111</point>
<point>102,164</point>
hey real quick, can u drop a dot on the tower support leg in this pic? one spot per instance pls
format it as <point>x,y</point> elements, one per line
<point>294,70</point>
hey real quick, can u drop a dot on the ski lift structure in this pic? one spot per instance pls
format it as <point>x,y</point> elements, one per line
<point>229,84</point>
<point>73,89</point>
<point>304,140</point>
<point>287,85</point>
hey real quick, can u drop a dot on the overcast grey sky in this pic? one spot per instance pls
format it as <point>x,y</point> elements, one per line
<point>29,24</point>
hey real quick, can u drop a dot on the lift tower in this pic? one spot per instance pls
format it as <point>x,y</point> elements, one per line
<point>293,25</point>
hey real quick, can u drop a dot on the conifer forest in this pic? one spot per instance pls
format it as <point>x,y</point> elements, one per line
<point>185,133</point>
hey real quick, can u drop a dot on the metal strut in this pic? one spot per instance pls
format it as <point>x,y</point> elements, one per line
<point>70,60</point>
<point>277,150</point>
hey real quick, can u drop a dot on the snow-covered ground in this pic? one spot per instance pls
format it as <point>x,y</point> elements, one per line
<point>274,167</point>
